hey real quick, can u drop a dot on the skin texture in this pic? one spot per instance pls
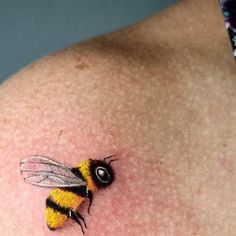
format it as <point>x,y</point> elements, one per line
<point>161,94</point>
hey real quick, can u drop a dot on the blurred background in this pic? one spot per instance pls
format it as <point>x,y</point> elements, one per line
<point>32,29</point>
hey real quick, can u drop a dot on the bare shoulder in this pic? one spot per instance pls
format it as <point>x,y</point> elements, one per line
<point>80,103</point>
<point>166,106</point>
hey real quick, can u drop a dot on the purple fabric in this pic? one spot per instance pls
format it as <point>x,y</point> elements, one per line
<point>229,13</point>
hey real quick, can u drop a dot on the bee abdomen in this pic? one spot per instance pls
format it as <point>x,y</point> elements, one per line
<point>61,202</point>
<point>56,215</point>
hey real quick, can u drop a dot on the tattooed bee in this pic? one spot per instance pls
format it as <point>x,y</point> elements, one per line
<point>70,186</point>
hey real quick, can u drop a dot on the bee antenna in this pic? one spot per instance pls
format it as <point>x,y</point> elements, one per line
<point>112,161</point>
<point>104,159</point>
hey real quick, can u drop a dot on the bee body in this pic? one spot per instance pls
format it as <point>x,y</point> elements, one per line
<point>71,186</point>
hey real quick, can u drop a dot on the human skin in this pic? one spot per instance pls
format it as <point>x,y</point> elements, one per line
<point>160,94</point>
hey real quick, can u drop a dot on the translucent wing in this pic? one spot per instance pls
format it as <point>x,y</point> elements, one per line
<point>44,172</point>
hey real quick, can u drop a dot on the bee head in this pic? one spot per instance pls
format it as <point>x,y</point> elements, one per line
<point>102,172</point>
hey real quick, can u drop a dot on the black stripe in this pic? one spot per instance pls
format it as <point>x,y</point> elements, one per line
<point>78,173</point>
<point>80,191</point>
<point>51,204</point>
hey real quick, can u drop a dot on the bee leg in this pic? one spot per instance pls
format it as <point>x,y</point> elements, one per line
<point>76,217</point>
<point>82,218</point>
<point>90,197</point>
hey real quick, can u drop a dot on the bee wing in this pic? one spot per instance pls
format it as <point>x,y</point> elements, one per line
<point>44,172</point>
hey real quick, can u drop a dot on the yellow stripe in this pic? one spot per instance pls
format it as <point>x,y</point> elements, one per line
<point>66,198</point>
<point>84,168</point>
<point>54,219</point>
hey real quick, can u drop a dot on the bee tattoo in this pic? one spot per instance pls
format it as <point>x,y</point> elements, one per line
<point>70,186</point>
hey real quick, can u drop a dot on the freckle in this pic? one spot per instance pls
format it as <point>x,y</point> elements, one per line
<point>61,132</point>
<point>5,121</point>
<point>81,66</point>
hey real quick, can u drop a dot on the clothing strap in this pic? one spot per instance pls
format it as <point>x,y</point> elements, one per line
<point>229,12</point>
